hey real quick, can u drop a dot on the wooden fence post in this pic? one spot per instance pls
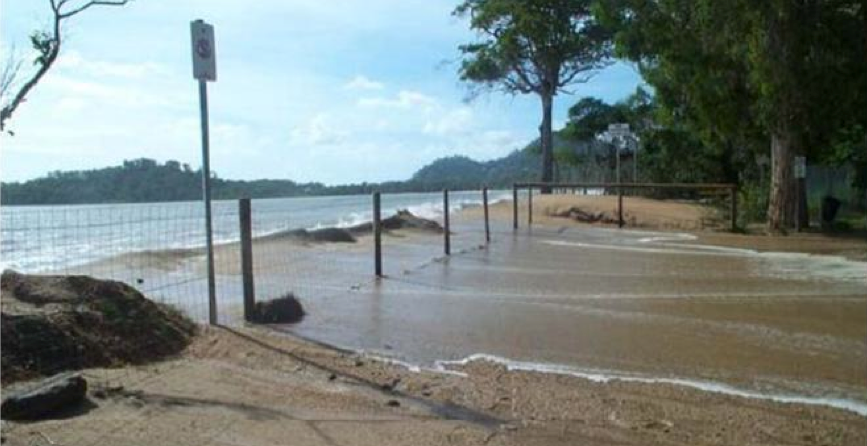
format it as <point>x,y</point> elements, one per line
<point>446,230</point>
<point>245,218</point>
<point>487,221</point>
<point>377,236</point>
<point>619,206</point>
<point>515,207</point>
<point>733,198</point>
<point>530,206</point>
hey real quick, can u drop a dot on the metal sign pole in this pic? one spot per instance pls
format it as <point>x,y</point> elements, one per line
<point>205,69</point>
<point>618,160</point>
<point>800,167</point>
<point>206,194</point>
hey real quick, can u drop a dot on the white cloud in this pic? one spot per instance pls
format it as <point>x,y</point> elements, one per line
<point>112,95</point>
<point>405,100</point>
<point>454,122</point>
<point>71,104</point>
<point>73,60</point>
<point>112,98</point>
<point>319,130</point>
<point>363,83</point>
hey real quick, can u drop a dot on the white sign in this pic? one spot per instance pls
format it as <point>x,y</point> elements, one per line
<point>800,167</point>
<point>204,51</point>
<point>619,129</point>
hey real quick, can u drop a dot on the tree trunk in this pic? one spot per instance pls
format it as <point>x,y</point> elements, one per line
<point>546,141</point>
<point>782,197</point>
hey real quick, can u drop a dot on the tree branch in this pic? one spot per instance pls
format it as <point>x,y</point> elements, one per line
<point>9,73</point>
<point>87,5</point>
<point>49,49</point>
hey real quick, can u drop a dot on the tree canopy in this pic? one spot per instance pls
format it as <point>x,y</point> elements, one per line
<point>533,47</point>
<point>746,76</point>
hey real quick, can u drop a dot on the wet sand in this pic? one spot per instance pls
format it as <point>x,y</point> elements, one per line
<point>596,300</point>
<point>711,226</point>
<point>643,337</point>
<point>588,298</point>
<point>254,386</point>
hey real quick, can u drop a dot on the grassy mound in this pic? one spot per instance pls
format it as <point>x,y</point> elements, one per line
<point>56,323</point>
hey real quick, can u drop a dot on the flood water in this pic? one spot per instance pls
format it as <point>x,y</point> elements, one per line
<point>591,301</point>
<point>619,303</point>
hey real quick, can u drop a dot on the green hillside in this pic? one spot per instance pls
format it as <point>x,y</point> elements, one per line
<point>145,180</point>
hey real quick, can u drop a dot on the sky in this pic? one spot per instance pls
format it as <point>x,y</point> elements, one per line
<point>333,91</point>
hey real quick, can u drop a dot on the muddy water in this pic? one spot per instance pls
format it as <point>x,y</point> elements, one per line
<point>614,302</point>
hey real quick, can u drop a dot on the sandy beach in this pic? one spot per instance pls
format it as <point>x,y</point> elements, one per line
<point>560,333</point>
<point>255,386</point>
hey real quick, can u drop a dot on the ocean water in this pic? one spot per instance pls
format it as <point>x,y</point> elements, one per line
<point>46,238</point>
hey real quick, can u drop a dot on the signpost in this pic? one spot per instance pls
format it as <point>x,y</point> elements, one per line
<point>800,167</point>
<point>205,69</point>
<point>800,171</point>
<point>619,132</point>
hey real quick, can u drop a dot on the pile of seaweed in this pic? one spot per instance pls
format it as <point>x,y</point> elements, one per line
<point>403,219</point>
<point>52,324</point>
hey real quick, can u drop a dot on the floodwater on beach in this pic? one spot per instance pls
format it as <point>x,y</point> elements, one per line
<point>607,302</point>
<point>592,301</point>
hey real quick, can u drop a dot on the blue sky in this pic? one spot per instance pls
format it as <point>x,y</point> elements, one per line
<point>334,91</point>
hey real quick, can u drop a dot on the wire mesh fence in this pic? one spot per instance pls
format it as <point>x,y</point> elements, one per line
<point>319,249</point>
<point>833,187</point>
<point>310,247</point>
<point>674,206</point>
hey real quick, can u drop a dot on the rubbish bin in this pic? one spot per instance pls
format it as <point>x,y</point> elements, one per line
<point>830,206</point>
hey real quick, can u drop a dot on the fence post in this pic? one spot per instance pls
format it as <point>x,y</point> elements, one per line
<point>514,207</point>
<point>802,213</point>
<point>377,236</point>
<point>487,221</point>
<point>619,206</point>
<point>446,231</point>
<point>529,206</point>
<point>245,219</point>
<point>733,199</point>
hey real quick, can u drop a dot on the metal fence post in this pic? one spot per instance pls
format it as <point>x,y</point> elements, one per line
<point>377,236</point>
<point>619,206</point>
<point>447,232</point>
<point>529,206</point>
<point>733,193</point>
<point>487,221</point>
<point>245,218</point>
<point>206,198</point>
<point>515,207</point>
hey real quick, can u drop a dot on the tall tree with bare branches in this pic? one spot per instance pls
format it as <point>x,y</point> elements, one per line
<point>47,44</point>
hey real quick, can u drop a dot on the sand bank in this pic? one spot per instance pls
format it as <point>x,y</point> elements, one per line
<point>710,225</point>
<point>248,386</point>
<point>661,306</point>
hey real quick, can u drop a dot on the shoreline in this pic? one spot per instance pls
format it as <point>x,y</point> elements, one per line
<point>601,376</point>
<point>228,375</point>
<point>644,374</point>
<point>454,367</point>
<point>607,376</point>
<point>673,217</point>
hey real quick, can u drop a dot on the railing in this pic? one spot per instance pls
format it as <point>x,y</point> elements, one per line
<point>619,189</point>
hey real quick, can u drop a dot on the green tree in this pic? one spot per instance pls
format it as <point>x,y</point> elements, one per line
<point>533,47</point>
<point>785,74</point>
<point>591,116</point>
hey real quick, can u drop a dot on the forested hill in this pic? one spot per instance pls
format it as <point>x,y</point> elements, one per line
<point>145,180</point>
